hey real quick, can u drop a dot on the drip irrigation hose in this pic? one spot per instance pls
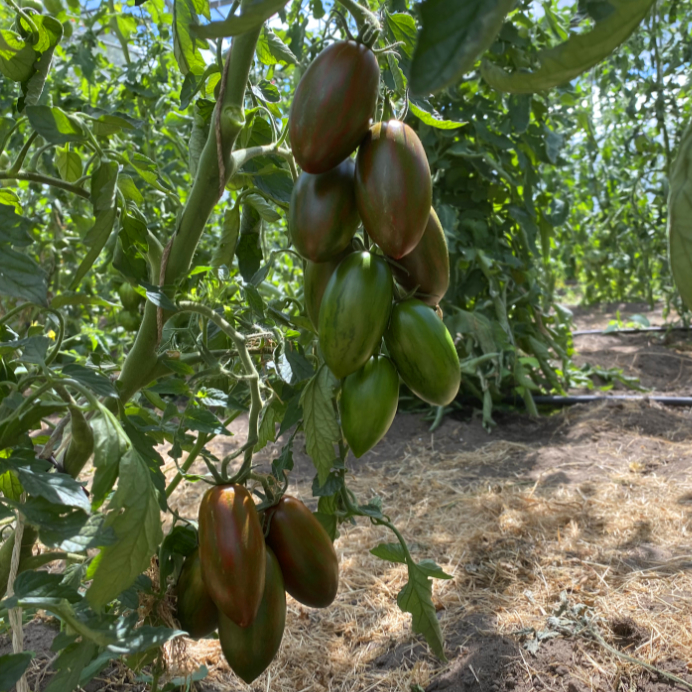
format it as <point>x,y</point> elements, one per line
<point>560,401</point>
<point>630,330</point>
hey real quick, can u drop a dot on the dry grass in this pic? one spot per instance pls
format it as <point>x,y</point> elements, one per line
<point>619,544</point>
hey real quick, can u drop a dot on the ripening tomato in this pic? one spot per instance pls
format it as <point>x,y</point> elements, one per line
<point>427,265</point>
<point>249,650</point>
<point>232,551</point>
<point>196,612</point>
<point>304,551</point>
<point>333,105</point>
<point>393,187</point>
<point>323,217</point>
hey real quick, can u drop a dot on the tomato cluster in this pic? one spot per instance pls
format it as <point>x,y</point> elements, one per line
<point>236,580</point>
<point>350,294</point>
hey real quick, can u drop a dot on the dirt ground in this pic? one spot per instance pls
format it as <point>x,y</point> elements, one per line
<point>568,539</point>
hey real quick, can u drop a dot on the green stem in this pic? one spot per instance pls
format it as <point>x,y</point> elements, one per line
<point>362,15</point>
<point>116,30</point>
<point>14,168</point>
<point>26,17</point>
<point>202,439</point>
<point>45,180</point>
<point>253,380</point>
<point>46,558</point>
<point>205,193</point>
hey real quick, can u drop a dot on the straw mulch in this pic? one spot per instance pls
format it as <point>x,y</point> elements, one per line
<point>612,542</point>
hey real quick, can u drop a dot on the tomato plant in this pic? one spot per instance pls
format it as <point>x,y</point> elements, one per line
<point>165,268</point>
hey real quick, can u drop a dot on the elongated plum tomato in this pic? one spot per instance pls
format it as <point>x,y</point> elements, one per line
<point>423,351</point>
<point>427,265</point>
<point>305,552</point>
<point>393,187</point>
<point>250,650</point>
<point>323,216</point>
<point>315,279</point>
<point>354,312</point>
<point>232,552</point>
<point>369,398</point>
<point>196,612</point>
<point>333,105</point>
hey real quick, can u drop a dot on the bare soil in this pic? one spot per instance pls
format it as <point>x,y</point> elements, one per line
<point>567,538</point>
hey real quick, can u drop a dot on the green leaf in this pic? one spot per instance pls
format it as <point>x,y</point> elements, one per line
<point>70,665</point>
<point>252,17</point>
<point>134,515</point>
<point>56,488</point>
<point>392,552</point>
<point>33,87</point>
<point>454,34</point>
<point>225,247</point>
<point>185,46</point>
<point>580,52</point>
<point>14,228</point>
<point>680,219</point>
<point>69,164</point>
<point>21,277</point>
<point>277,183</point>
<point>13,666</point>
<point>16,57</point>
<point>76,532</point>
<point>271,50</point>
<point>110,445</point>
<point>249,253</point>
<point>90,378</point>
<point>54,125</point>
<point>39,584</point>
<point>103,185</point>
<point>322,430</point>
<point>263,208</point>
<point>416,598</point>
<point>10,486</point>
<point>432,120</point>
<point>403,28</point>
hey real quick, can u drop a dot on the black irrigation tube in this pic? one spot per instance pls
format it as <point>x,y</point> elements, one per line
<point>632,330</point>
<point>596,398</point>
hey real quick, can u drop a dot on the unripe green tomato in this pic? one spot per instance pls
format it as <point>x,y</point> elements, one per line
<point>67,29</point>
<point>4,161</point>
<point>424,353</point>
<point>369,399</point>
<point>129,297</point>
<point>129,320</point>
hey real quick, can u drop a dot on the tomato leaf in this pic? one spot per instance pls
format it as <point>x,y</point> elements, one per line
<point>392,552</point>
<point>186,46</point>
<point>14,229</point>
<point>322,430</point>
<point>21,277</point>
<point>110,445</point>
<point>271,50</point>
<point>225,247</point>
<point>432,119</point>
<point>680,219</point>
<point>54,125</point>
<point>12,667</point>
<point>416,598</point>
<point>563,63</point>
<point>134,515</point>
<point>69,164</point>
<point>454,34</point>
<point>252,17</point>
<point>403,29</point>
<point>70,664</point>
